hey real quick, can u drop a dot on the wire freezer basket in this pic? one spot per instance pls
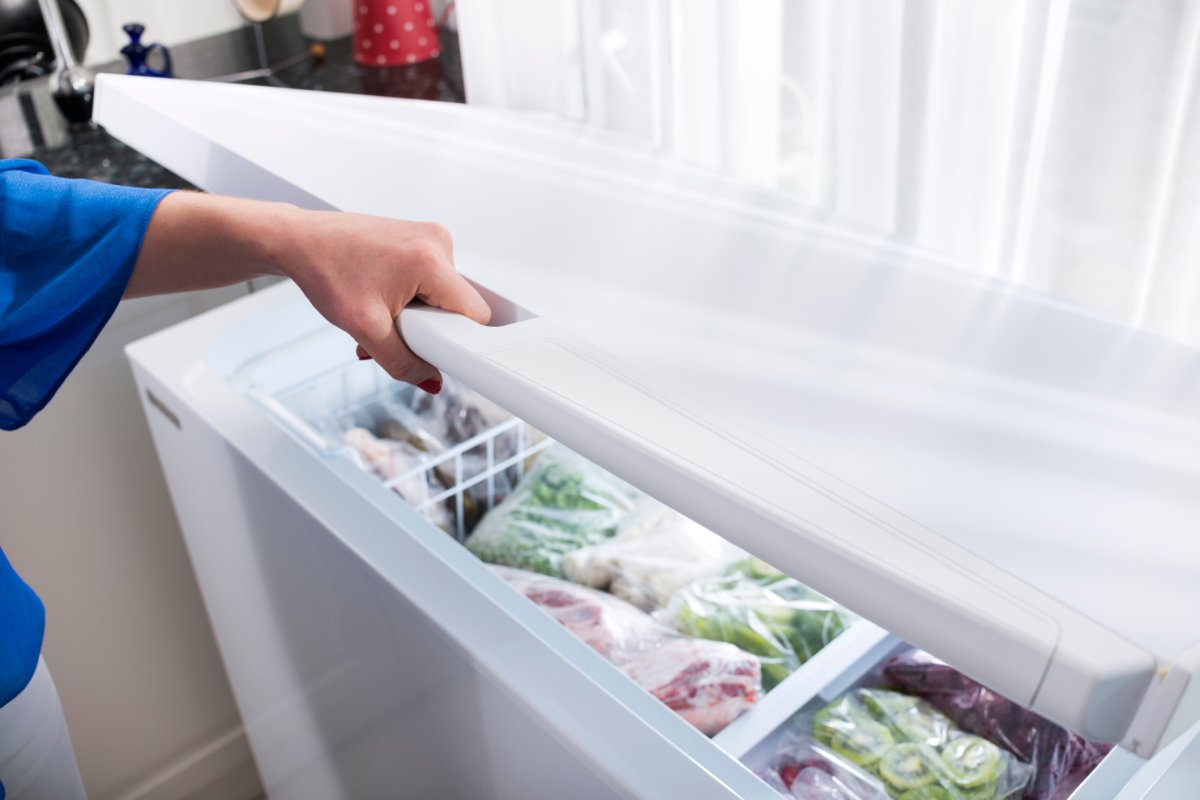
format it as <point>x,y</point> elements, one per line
<point>316,394</point>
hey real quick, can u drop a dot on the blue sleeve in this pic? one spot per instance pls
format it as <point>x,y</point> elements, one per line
<point>67,248</point>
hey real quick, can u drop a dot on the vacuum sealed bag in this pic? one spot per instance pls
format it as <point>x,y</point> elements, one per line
<point>454,417</point>
<point>394,458</point>
<point>563,503</point>
<point>807,770</point>
<point>878,743</point>
<point>407,430</point>
<point>707,683</point>
<point>761,610</point>
<point>1061,759</point>
<point>655,552</point>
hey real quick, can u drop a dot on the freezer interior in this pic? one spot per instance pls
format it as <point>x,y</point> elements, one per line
<point>460,461</point>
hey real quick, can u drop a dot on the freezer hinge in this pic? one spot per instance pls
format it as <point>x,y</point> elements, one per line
<point>162,407</point>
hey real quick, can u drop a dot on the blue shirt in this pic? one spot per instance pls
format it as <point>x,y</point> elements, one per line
<point>67,248</point>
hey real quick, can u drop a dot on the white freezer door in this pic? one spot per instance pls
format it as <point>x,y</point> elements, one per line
<point>999,478</point>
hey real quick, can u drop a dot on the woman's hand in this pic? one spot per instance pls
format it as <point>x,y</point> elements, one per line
<point>359,271</point>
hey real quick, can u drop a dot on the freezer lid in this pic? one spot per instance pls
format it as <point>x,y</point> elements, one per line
<point>1017,482</point>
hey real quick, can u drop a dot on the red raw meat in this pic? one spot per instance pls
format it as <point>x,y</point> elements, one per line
<point>707,683</point>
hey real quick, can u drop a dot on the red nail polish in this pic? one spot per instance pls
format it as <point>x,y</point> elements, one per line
<point>363,357</point>
<point>431,385</point>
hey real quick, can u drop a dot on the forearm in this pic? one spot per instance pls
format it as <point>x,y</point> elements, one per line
<point>201,241</point>
<point>359,271</point>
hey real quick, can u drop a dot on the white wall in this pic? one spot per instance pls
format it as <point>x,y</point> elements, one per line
<point>167,21</point>
<point>88,522</point>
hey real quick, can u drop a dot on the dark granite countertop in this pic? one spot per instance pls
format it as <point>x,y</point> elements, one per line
<point>89,152</point>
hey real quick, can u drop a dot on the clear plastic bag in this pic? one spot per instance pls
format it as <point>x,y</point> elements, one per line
<point>564,503</point>
<point>1061,759</point>
<point>762,611</point>
<point>806,770</point>
<point>391,458</point>
<point>457,414</point>
<point>445,420</point>
<point>404,428</point>
<point>655,552</point>
<point>904,746</point>
<point>707,683</point>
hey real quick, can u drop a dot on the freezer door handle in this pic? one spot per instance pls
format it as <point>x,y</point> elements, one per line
<point>884,566</point>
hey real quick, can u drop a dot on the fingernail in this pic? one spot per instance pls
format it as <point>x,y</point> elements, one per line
<point>431,385</point>
<point>363,357</point>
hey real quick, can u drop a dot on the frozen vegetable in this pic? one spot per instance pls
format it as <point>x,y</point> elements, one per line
<point>564,503</point>
<point>654,553</point>
<point>762,611</point>
<point>884,743</point>
<point>707,683</point>
<point>1060,758</point>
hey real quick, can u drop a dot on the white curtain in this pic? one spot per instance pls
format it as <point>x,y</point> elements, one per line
<point>1052,142</point>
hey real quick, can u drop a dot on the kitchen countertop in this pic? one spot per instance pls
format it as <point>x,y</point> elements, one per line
<point>89,152</point>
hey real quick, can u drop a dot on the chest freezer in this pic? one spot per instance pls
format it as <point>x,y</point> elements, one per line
<point>998,478</point>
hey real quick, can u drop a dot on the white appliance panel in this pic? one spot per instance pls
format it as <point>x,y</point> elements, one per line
<point>351,628</point>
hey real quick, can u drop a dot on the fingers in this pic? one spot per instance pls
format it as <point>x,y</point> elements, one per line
<point>389,262</point>
<point>451,291</point>
<point>402,364</point>
<point>383,343</point>
<point>431,385</point>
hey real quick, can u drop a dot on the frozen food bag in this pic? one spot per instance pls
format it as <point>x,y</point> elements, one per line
<point>911,749</point>
<point>807,770</point>
<point>655,552</point>
<point>707,683</point>
<point>454,416</point>
<point>563,503</point>
<point>1061,759</point>
<point>390,459</point>
<point>761,610</point>
<point>457,414</point>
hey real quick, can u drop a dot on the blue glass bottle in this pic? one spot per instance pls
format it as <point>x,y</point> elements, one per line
<point>137,54</point>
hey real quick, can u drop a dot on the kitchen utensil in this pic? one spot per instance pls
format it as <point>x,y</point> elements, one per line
<point>25,49</point>
<point>71,84</point>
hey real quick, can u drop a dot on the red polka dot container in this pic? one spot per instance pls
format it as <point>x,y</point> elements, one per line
<point>388,33</point>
